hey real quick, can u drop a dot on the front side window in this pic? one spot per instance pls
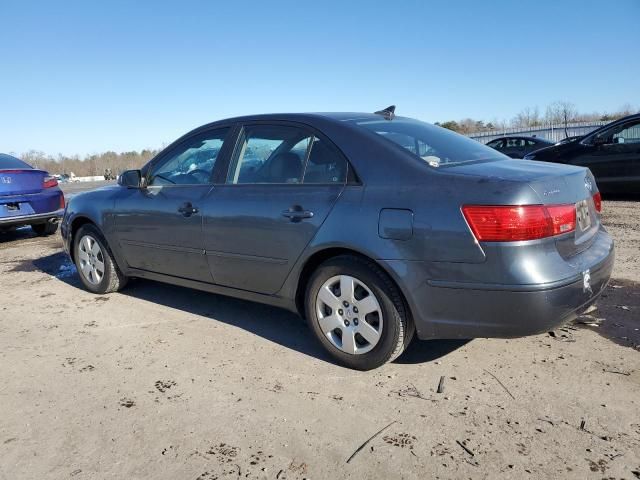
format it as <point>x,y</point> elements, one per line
<point>191,163</point>
<point>630,133</point>
<point>434,145</point>
<point>495,144</point>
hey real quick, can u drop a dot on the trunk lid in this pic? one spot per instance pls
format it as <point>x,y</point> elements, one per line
<point>554,184</point>
<point>21,181</point>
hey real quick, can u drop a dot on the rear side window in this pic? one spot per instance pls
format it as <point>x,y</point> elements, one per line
<point>435,145</point>
<point>7,162</point>
<point>282,154</point>
<point>515,142</point>
<point>269,154</point>
<point>324,164</point>
<point>495,144</point>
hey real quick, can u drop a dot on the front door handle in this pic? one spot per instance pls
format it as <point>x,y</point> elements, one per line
<point>296,213</point>
<point>187,209</point>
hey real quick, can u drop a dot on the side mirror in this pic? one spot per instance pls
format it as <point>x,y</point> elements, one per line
<point>130,179</point>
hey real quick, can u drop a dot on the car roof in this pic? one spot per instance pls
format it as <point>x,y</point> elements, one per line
<point>522,136</point>
<point>314,119</point>
<point>303,117</point>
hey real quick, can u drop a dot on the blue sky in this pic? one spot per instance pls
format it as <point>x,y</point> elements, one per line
<point>85,76</point>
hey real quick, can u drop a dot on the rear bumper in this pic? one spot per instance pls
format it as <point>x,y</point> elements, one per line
<point>32,219</point>
<point>471,313</point>
<point>472,310</point>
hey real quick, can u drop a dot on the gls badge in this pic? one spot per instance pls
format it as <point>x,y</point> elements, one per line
<point>6,179</point>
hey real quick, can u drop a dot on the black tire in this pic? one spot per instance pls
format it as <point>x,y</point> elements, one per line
<point>112,279</point>
<point>397,329</point>
<point>44,229</point>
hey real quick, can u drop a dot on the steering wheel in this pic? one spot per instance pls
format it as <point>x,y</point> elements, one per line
<point>200,174</point>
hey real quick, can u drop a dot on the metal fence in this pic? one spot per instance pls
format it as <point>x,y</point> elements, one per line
<point>554,133</point>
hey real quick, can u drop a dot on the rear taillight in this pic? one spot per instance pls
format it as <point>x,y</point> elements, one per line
<point>61,200</point>
<point>49,182</point>
<point>597,201</point>
<point>512,223</point>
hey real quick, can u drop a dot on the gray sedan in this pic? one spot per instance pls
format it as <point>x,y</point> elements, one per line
<point>373,227</point>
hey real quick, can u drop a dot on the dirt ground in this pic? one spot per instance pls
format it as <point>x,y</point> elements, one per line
<point>167,383</point>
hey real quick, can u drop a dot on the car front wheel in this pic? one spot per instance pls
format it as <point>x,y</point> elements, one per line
<point>357,313</point>
<point>94,262</point>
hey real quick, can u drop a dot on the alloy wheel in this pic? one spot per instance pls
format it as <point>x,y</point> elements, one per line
<point>349,314</point>
<point>91,259</point>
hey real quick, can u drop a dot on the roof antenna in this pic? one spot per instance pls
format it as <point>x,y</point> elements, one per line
<point>388,113</point>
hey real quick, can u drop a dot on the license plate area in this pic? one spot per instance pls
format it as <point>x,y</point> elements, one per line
<point>583,216</point>
<point>15,209</point>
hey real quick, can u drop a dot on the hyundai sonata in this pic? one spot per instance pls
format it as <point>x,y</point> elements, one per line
<point>373,227</point>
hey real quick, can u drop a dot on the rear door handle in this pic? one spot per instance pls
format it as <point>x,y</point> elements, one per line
<point>297,213</point>
<point>187,209</point>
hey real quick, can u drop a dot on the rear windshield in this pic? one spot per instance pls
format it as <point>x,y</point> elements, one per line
<point>435,145</point>
<point>7,161</point>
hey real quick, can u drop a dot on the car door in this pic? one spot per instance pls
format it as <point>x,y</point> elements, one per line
<point>283,180</point>
<point>159,226</point>
<point>613,156</point>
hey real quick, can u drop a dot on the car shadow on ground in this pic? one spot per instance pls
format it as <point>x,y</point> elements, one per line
<point>16,234</point>
<point>274,324</point>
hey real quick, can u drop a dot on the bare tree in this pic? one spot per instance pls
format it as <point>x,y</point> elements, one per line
<point>561,112</point>
<point>557,113</point>
<point>627,109</point>
<point>528,117</point>
<point>91,165</point>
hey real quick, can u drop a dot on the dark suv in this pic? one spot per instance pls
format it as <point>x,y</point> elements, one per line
<point>612,153</point>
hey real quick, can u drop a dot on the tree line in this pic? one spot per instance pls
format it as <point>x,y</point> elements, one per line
<point>90,165</point>
<point>561,112</point>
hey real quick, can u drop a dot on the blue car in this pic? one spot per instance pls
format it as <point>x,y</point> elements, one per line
<point>372,226</point>
<point>28,197</point>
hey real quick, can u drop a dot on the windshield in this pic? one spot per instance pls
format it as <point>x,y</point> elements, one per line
<point>435,145</point>
<point>7,161</point>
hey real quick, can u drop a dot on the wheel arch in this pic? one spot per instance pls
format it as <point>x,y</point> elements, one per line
<point>321,256</point>
<point>75,225</point>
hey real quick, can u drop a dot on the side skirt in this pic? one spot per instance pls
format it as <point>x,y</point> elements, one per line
<point>273,300</point>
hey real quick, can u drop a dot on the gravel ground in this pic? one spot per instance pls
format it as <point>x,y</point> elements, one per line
<point>167,383</point>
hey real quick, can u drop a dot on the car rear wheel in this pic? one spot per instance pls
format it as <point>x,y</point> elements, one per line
<point>357,313</point>
<point>94,261</point>
<point>43,229</point>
